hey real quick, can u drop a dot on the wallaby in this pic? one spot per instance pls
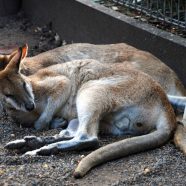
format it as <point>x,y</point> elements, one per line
<point>112,53</point>
<point>95,97</point>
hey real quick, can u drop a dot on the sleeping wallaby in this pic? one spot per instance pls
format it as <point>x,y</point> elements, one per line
<point>122,53</point>
<point>95,98</point>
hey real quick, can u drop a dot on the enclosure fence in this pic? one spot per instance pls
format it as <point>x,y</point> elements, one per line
<point>169,11</point>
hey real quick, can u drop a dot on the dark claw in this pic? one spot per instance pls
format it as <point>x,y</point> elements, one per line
<point>48,151</point>
<point>33,142</point>
<point>17,144</point>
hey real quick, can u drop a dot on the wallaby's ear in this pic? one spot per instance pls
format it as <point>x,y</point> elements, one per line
<point>4,59</point>
<point>9,57</point>
<point>14,63</point>
<point>24,51</point>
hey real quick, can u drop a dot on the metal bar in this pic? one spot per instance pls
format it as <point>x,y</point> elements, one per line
<point>178,12</point>
<point>135,4</point>
<point>157,8</point>
<point>150,9</point>
<point>164,10</point>
<point>185,13</point>
<point>171,11</point>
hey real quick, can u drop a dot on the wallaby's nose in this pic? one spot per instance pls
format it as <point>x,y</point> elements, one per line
<point>29,106</point>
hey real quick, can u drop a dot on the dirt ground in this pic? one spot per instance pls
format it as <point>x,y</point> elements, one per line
<point>162,166</point>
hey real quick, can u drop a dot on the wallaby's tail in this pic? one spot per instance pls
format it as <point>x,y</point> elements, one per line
<point>122,148</point>
<point>180,138</point>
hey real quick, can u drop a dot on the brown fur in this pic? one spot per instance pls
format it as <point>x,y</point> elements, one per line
<point>113,53</point>
<point>127,56</point>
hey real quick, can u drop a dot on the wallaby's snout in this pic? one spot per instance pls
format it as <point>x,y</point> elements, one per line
<point>29,106</point>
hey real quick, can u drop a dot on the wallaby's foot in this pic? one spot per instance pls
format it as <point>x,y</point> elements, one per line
<point>73,144</point>
<point>58,123</point>
<point>180,137</point>
<point>74,141</point>
<point>33,142</point>
<point>27,143</point>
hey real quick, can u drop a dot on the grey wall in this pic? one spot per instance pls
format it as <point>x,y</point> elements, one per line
<point>83,21</point>
<point>9,7</point>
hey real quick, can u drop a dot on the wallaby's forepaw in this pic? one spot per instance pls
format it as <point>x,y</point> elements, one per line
<point>27,143</point>
<point>17,144</point>
<point>40,126</point>
<point>58,123</point>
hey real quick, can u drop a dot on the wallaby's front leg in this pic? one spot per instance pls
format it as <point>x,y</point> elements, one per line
<point>44,120</point>
<point>57,90</point>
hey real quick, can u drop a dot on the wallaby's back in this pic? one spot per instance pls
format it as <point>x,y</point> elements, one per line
<point>113,53</point>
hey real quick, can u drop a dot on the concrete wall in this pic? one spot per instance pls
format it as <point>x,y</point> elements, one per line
<point>8,7</point>
<point>84,21</point>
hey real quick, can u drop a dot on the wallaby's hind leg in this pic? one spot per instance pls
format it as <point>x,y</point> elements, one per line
<point>89,112</point>
<point>128,146</point>
<point>33,142</point>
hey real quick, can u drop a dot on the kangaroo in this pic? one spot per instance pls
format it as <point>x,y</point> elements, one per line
<point>95,98</point>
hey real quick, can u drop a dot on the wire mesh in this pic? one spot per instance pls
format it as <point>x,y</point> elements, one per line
<point>169,11</point>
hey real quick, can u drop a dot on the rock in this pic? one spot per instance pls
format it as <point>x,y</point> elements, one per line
<point>45,166</point>
<point>146,171</point>
<point>12,135</point>
<point>115,8</point>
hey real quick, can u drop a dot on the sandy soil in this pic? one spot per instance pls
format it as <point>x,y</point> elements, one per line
<point>162,166</point>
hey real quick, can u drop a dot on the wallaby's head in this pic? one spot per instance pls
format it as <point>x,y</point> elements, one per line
<point>15,88</point>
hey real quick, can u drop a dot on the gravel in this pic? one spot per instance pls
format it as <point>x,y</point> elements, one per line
<point>161,166</point>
